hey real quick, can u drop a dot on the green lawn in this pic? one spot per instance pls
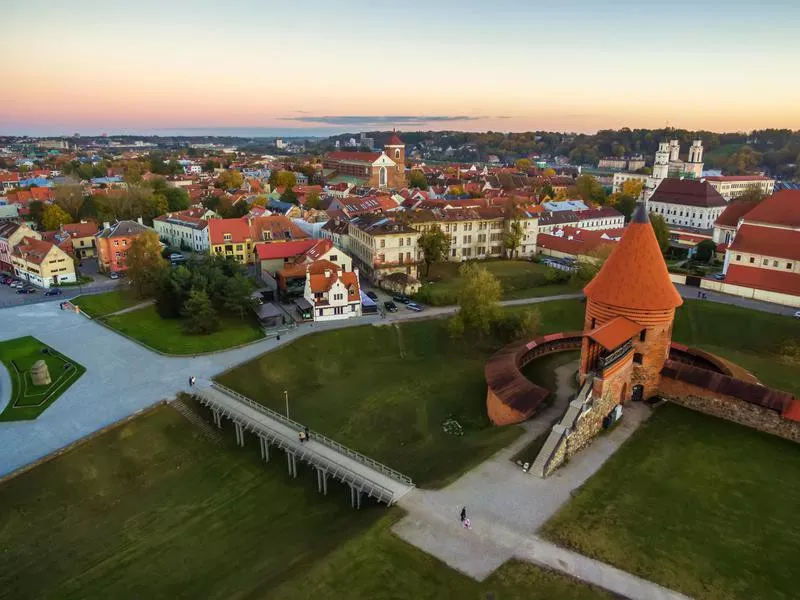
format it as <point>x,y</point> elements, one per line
<point>386,391</point>
<point>168,335</point>
<point>154,509</point>
<point>698,504</point>
<point>27,400</point>
<point>542,371</point>
<point>749,338</point>
<point>519,278</point>
<point>97,305</point>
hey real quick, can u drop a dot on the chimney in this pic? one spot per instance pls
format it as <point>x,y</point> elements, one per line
<point>106,224</point>
<point>139,221</point>
<point>327,273</point>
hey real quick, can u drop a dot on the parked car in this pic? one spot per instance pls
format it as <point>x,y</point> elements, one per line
<point>719,276</point>
<point>113,275</point>
<point>176,256</point>
<point>53,292</point>
<point>401,299</point>
<point>5,279</point>
<point>390,306</point>
<point>797,314</point>
<point>414,306</point>
<point>26,291</point>
<point>16,284</point>
<point>373,295</point>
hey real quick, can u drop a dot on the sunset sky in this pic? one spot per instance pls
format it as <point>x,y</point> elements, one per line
<point>235,65</point>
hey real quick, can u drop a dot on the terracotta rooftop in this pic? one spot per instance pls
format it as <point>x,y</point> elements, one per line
<point>395,140</point>
<point>773,280</point>
<point>32,250</point>
<point>733,212</point>
<point>616,332</point>
<point>284,250</point>
<point>767,241</point>
<point>782,208</point>
<point>364,157</point>
<point>635,275</point>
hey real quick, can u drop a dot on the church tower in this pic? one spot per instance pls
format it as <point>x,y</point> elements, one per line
<point>629,314</point>
<point>694,167</point>
<point>661,164</point>
<point>396,150</point>
<point>674,151</point>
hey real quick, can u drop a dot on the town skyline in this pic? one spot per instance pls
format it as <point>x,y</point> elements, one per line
<point>99,68</point>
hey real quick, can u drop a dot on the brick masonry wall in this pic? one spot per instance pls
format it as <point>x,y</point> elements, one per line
<point>731,409</point>
<point>499,413</point>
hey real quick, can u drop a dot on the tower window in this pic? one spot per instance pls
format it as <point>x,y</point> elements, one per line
<point>637,359</point>
<point>643,335</point>
<point>397,154</point>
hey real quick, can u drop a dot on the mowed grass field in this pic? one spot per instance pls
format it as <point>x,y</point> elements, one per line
<point>154,509</point>
<point>169,336</point>
<point>28,401</point>
<point>97,305</point>
<point>698,504</point>
<point>519,279</point>
<point>386,391</point>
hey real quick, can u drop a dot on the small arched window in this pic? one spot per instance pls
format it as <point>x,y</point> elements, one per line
<point>397,154</point>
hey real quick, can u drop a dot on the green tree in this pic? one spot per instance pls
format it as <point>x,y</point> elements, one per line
<point>416,179</point>
<point>235,295</point>
<point>704,251</point>
<point>661,230</point>
<point>625,204</point>
<point>434,243</point>
<point>201,318</point>
<point>512,237</point>
<point>523,164</point>
<point>70,198</point>
<point>53,217</point>
<point>35,210</point>
<point>590,190</point>
<point>145,264</point>
<point>289,196</point>
<point>85,171</point>
<point>479,296</point>
<point>313,200</point>
<point>546,192</point>
<point>743,161</point>
<point>133,173</point>
<point>157,206</point>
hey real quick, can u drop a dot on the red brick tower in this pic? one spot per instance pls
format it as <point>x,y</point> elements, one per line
<point>396,150</point>
<point>634,284</point>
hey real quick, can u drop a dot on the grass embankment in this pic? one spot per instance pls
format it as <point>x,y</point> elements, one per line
<point>28,401</point>
<point>97,305</point>
<point>155,509</point>
<point>170,337</point>
<point>386,391</point>
<point>519,279</point>
<point>698,504</point>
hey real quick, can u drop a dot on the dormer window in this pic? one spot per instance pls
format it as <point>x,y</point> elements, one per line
<point>266,235</point>
<point>227,237</point>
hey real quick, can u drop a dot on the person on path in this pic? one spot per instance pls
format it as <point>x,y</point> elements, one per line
<point>306,434</point>
<point>302,436</point>
<point>463,514</point>
<point>467,524</point>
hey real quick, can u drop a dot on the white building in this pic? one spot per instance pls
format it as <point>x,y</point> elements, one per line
<point>184,230</point>
<point>332,293</point>
<point>597,219</point>
<point>667,163</point>
<point>687,202</point>
<point>733,186</point>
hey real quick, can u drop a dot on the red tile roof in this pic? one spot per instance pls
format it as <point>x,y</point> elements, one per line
<point>688,192</point>
<point>319,248</point>
<point>321,284</point>
<point>395,141</point>
<point>365,157</point>
<point>782,208</point>
<point>771,280</point>
<point>635,275</point>
<point>237,228</point>
<point>80,229</point>
<point>274,250</point>
<point>32,250</point>
<point>733,212</point>
<point>616,332</point>
<point>767,241</point>
<point>281,229</point>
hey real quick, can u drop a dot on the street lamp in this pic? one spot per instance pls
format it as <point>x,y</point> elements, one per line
<point>286,397</point>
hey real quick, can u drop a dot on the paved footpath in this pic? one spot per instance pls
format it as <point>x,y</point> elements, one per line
<point>507,506</point>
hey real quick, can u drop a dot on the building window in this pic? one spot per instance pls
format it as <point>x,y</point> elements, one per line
<point>752,260</point>
<point>643,335</point>
<point>637,359</point>
<point>334,257</point>
<point>401,242</point>
<point>320,312</point>
<point>774,263</point>
<point>227,237</point>
<point>788,265</point>
<point>383,243</point>
<point>764,262</point>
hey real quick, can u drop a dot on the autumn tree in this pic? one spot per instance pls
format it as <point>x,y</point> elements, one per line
<point>417,179</point>
<point>743,161</point>
<point>546,192</point>
<point>478,300</point>
<point>590,190</point>
<point>523,164</point>
<point>549,172</point>
<point>633,187</point>
<point>53,217</point>
<point>434,244</point>
<point>69,197</point>
<point>313,200</point>
<point>751,194</point>
<point>512,237</point>
<point>230,180</point>
<point>145,264</point>
<point>284,179</point>
<point>661,230</point>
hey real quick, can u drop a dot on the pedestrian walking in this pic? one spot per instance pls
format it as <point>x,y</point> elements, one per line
<point>306,433</point>
<point>463,514</point>
<point>302,436</point>
<point>467,524</point>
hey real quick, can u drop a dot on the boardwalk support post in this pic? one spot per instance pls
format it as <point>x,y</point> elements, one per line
<point>239,433</point>
<point>264,448</point>
<point>322,481</point>
<point>355,496</point>
<point>217,417</point>
<point>291,459</point>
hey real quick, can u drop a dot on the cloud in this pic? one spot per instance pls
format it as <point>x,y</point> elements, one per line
<point>380,120</point>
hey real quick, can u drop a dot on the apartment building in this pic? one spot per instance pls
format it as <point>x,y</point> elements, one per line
<point>382,246</point>
<point>42,263</point>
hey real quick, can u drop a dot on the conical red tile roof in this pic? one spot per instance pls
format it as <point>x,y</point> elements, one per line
<point>635,275</point>
<point>394,140</point>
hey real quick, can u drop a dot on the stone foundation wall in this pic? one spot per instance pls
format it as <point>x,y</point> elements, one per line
<point>729,408</point>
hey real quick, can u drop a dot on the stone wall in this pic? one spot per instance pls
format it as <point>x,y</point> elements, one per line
<point>729,408</point>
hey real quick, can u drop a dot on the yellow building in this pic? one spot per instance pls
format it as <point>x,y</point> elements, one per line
<point>82,235</point>
<point>238,238</point>
<point>42,263</point>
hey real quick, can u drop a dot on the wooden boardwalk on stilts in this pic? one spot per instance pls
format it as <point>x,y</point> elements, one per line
<point>329,458</point>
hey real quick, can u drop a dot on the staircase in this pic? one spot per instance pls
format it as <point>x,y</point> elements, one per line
<point>211,433</point>
<point>558,435</point>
